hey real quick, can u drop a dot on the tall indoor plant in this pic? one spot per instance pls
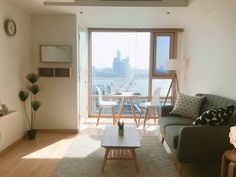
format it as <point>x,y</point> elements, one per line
<point>31,91</point>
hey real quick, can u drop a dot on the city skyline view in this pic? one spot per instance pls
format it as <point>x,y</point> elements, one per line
<point>120,63</point>
<point>132,45</point>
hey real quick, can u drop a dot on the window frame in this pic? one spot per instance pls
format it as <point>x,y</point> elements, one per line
<point>152,75</point>
<point>172,54</point>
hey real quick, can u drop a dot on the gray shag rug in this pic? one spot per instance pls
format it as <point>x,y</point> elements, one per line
<point>85,156</point>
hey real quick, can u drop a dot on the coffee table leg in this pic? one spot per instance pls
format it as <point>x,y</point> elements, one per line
<point>105,158</point>
<point>135,159</point>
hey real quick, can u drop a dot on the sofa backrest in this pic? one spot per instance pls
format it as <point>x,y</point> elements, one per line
<point>214,101</point>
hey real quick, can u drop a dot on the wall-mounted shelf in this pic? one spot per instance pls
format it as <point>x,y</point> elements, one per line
<point>54,72</point>
<point>11,113</point>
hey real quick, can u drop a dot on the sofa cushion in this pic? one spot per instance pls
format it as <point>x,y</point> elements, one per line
<point>214,101</point>
<point>187,106</point>
<point>173,120</point>
<point>217,116</point>
<point>172,136</point>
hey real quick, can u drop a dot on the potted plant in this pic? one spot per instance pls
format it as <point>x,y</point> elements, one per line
<point>121,128</point>
<point>31,91</point>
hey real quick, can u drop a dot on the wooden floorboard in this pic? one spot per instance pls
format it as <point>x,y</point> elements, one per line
<point>35,158</point>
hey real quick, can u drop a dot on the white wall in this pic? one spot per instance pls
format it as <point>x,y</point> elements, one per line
<point>58,95</point>
<point>210,46</point>
<point>15,56</point>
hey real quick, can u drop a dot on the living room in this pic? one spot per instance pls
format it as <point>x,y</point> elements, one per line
<point>206,43</point>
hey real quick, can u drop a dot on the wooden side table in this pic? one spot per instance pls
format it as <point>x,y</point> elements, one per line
<point>230,156</point>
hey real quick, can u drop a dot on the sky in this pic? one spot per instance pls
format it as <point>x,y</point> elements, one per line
<point>135,45</point>
<point>131,44</point>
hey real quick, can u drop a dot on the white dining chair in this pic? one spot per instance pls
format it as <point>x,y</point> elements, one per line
<point>151,106</point>
<point>103,104</point>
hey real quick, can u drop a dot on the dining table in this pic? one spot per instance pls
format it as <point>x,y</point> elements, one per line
<point>128,96</point>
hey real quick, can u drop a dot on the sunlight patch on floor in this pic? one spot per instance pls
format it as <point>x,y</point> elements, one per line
<point>52,151</point>
<point>86,146</point>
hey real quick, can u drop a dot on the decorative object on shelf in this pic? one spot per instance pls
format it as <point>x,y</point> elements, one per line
<point>232,136</point>
<point>173,65</point>
<point>31,92</point>
<point>121,128</point>
<point>10,27</point>
<point>3,109</point>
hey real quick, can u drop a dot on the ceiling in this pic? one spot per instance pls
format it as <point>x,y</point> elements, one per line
<point>126,16</point>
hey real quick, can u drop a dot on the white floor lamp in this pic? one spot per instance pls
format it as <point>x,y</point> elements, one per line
<point>173,65</point>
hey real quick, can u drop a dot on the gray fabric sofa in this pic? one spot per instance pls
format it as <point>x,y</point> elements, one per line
<point>197,144</point>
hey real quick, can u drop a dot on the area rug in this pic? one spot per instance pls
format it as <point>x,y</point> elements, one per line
<point>85,156</point>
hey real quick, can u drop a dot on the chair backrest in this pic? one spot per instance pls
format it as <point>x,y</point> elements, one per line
<point>156,97</point>
<point>99,95</point>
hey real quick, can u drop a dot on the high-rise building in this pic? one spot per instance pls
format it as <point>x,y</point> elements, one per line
<point>121,66</point>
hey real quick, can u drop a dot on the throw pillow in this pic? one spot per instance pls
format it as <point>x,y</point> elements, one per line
<point>217,116</point>
<point>187,106</point>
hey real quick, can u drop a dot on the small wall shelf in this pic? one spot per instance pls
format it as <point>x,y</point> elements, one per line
<point>54,72</point>
<point>11,113</point>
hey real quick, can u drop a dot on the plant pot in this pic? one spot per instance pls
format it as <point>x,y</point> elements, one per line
<point>31,134</point>
<point>121,132</point>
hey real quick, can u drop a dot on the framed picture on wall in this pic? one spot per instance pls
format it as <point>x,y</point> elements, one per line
<point>55,53</point>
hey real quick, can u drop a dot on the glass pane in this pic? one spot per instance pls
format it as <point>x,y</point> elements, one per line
<point>164,84</point>
<point>162,52</point>
<point>120,63</point>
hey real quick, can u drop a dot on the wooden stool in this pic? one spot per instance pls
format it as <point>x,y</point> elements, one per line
<point>229,155</point>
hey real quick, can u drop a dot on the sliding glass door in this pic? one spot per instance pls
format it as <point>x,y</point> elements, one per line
<point>119,63</point>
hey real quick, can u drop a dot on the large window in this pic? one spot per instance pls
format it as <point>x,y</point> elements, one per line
<point>120,63</point>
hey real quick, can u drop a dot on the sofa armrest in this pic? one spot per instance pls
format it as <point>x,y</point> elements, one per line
<point>165,110</point>
<point>203,144</point>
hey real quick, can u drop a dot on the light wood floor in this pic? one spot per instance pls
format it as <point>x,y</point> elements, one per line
<point>39,158</point>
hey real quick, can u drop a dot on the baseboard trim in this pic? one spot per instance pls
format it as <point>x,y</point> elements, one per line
<point>12,145</point>
<point>73,131</point>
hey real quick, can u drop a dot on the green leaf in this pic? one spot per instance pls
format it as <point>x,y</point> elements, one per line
<point>35,105</point>
<point>32,77</point>
<point>34,89</point>
<point>23,95</point>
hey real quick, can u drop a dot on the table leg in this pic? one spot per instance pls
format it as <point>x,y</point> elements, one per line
<point>105,158</point>
<point>231,169</point>
<point>141,111</point>
<point>145,118</point>
<point>135,159</point>
<point>113,115</point>
<point>121,107</point>
<point>223,166</point>
<point>133,111</point>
